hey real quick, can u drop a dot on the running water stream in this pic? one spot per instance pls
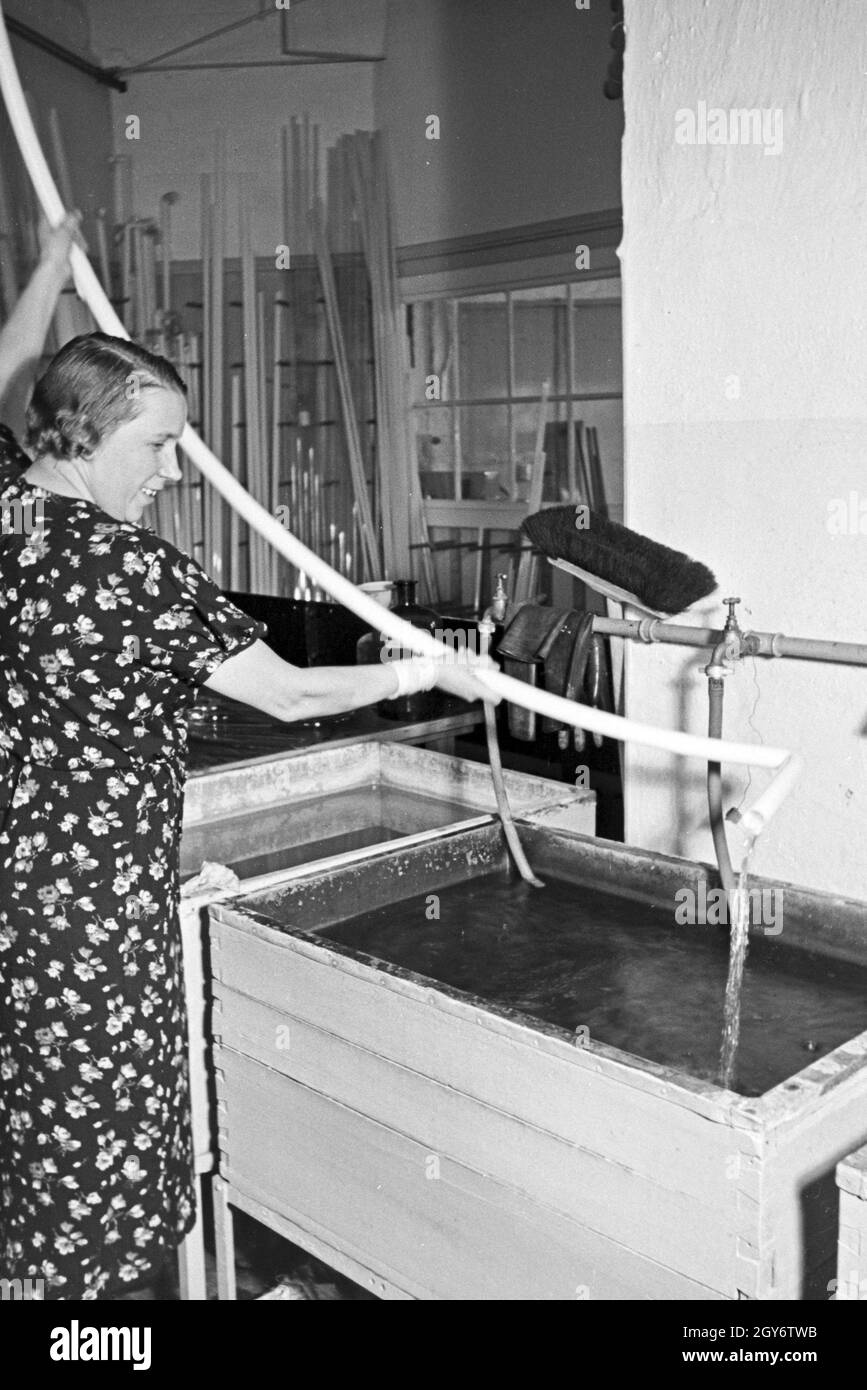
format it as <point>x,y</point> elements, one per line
<point>739,913</point>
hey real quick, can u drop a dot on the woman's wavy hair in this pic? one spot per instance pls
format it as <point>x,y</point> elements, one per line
<point>90,387</point>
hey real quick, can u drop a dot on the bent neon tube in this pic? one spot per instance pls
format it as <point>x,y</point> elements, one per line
<point>614,726</point>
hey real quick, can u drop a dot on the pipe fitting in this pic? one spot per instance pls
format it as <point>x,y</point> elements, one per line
<point>647,629</point>
<point>728,650</point>
<point>754,819</point>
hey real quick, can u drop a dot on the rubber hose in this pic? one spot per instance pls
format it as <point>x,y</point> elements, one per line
<point>503,809</point>
<point>716,696</point>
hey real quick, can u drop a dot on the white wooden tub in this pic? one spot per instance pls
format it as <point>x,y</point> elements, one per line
<point>229,815</point>
<point>431,1145</point>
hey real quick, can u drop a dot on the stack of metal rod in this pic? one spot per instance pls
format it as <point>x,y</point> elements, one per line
<point>401,516</point>
<point>283,415</point>
<point>296,375</point>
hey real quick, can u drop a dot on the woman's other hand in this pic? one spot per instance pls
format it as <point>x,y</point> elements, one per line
<point>56,242</point>
<point>23,335</point>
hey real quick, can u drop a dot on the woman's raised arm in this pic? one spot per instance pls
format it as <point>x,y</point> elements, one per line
<point>22,337</point>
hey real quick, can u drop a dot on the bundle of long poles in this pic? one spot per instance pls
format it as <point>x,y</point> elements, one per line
<point>213,414</point>
<point>525,583</point>
<point>370,551</point>
<point>287,467</point>
<point>258,483</point>
<point>403,524</point>
<point>8,256</point>
<point>246,408</point>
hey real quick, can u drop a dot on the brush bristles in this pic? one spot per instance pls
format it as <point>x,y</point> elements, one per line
<point>663,579</point>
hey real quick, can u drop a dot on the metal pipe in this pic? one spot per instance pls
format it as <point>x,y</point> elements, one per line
<point>752,643</point>
<point>286,47</point>
<point>107,77</point>
<point>486,632</point>
<point>754,820</point>
<point>804,648</point>
<point>314,61</point>
<point>202,38</point>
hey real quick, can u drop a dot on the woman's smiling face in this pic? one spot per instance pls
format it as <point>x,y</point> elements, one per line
<point>139,458</point>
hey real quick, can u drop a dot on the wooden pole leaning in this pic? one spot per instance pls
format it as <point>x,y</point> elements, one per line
<point>371,561</point>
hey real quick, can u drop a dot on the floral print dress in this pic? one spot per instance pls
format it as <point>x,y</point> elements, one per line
<point>106,632</point>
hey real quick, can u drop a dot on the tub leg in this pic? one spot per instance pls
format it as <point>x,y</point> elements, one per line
<point>191,1259</point>
<point>851,1282</point>
<point>224,1232</point>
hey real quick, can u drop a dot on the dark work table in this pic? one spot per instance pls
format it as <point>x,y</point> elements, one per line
<point>240,734</point>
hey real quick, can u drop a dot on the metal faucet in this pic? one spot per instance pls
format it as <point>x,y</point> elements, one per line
<point>731,648</point>
<point>731,624</point>
<point>496,609</point>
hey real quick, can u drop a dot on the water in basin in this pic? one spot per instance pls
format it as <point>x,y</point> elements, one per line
<point>292,833</point>
<point>622,971</point>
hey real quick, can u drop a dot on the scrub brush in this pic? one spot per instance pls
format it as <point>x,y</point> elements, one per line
<point>617,562</point>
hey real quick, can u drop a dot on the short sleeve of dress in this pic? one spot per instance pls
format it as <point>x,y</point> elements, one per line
<point>192,626</point>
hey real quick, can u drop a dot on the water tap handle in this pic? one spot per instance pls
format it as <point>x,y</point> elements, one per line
<point>730,646</point>
<point>497,608</point>
<point>731,624</point>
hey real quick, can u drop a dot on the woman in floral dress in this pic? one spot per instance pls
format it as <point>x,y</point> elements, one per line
<point>106,634</point>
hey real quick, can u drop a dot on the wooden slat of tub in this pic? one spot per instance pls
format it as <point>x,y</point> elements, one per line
<point>852,1175</point>
<point>851,1271</point>
<point>672,1131</point>
<point>800,1206</point>
<point>363,1189</point>
<point>694,1234</point>
<point>401,1017</point>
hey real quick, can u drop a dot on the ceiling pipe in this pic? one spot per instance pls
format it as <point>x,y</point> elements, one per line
<point>106,77</point>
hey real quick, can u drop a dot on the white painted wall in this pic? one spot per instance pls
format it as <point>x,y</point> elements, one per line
<point>180,112</point>
<point>747,266</point>
<point>526,133</point>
